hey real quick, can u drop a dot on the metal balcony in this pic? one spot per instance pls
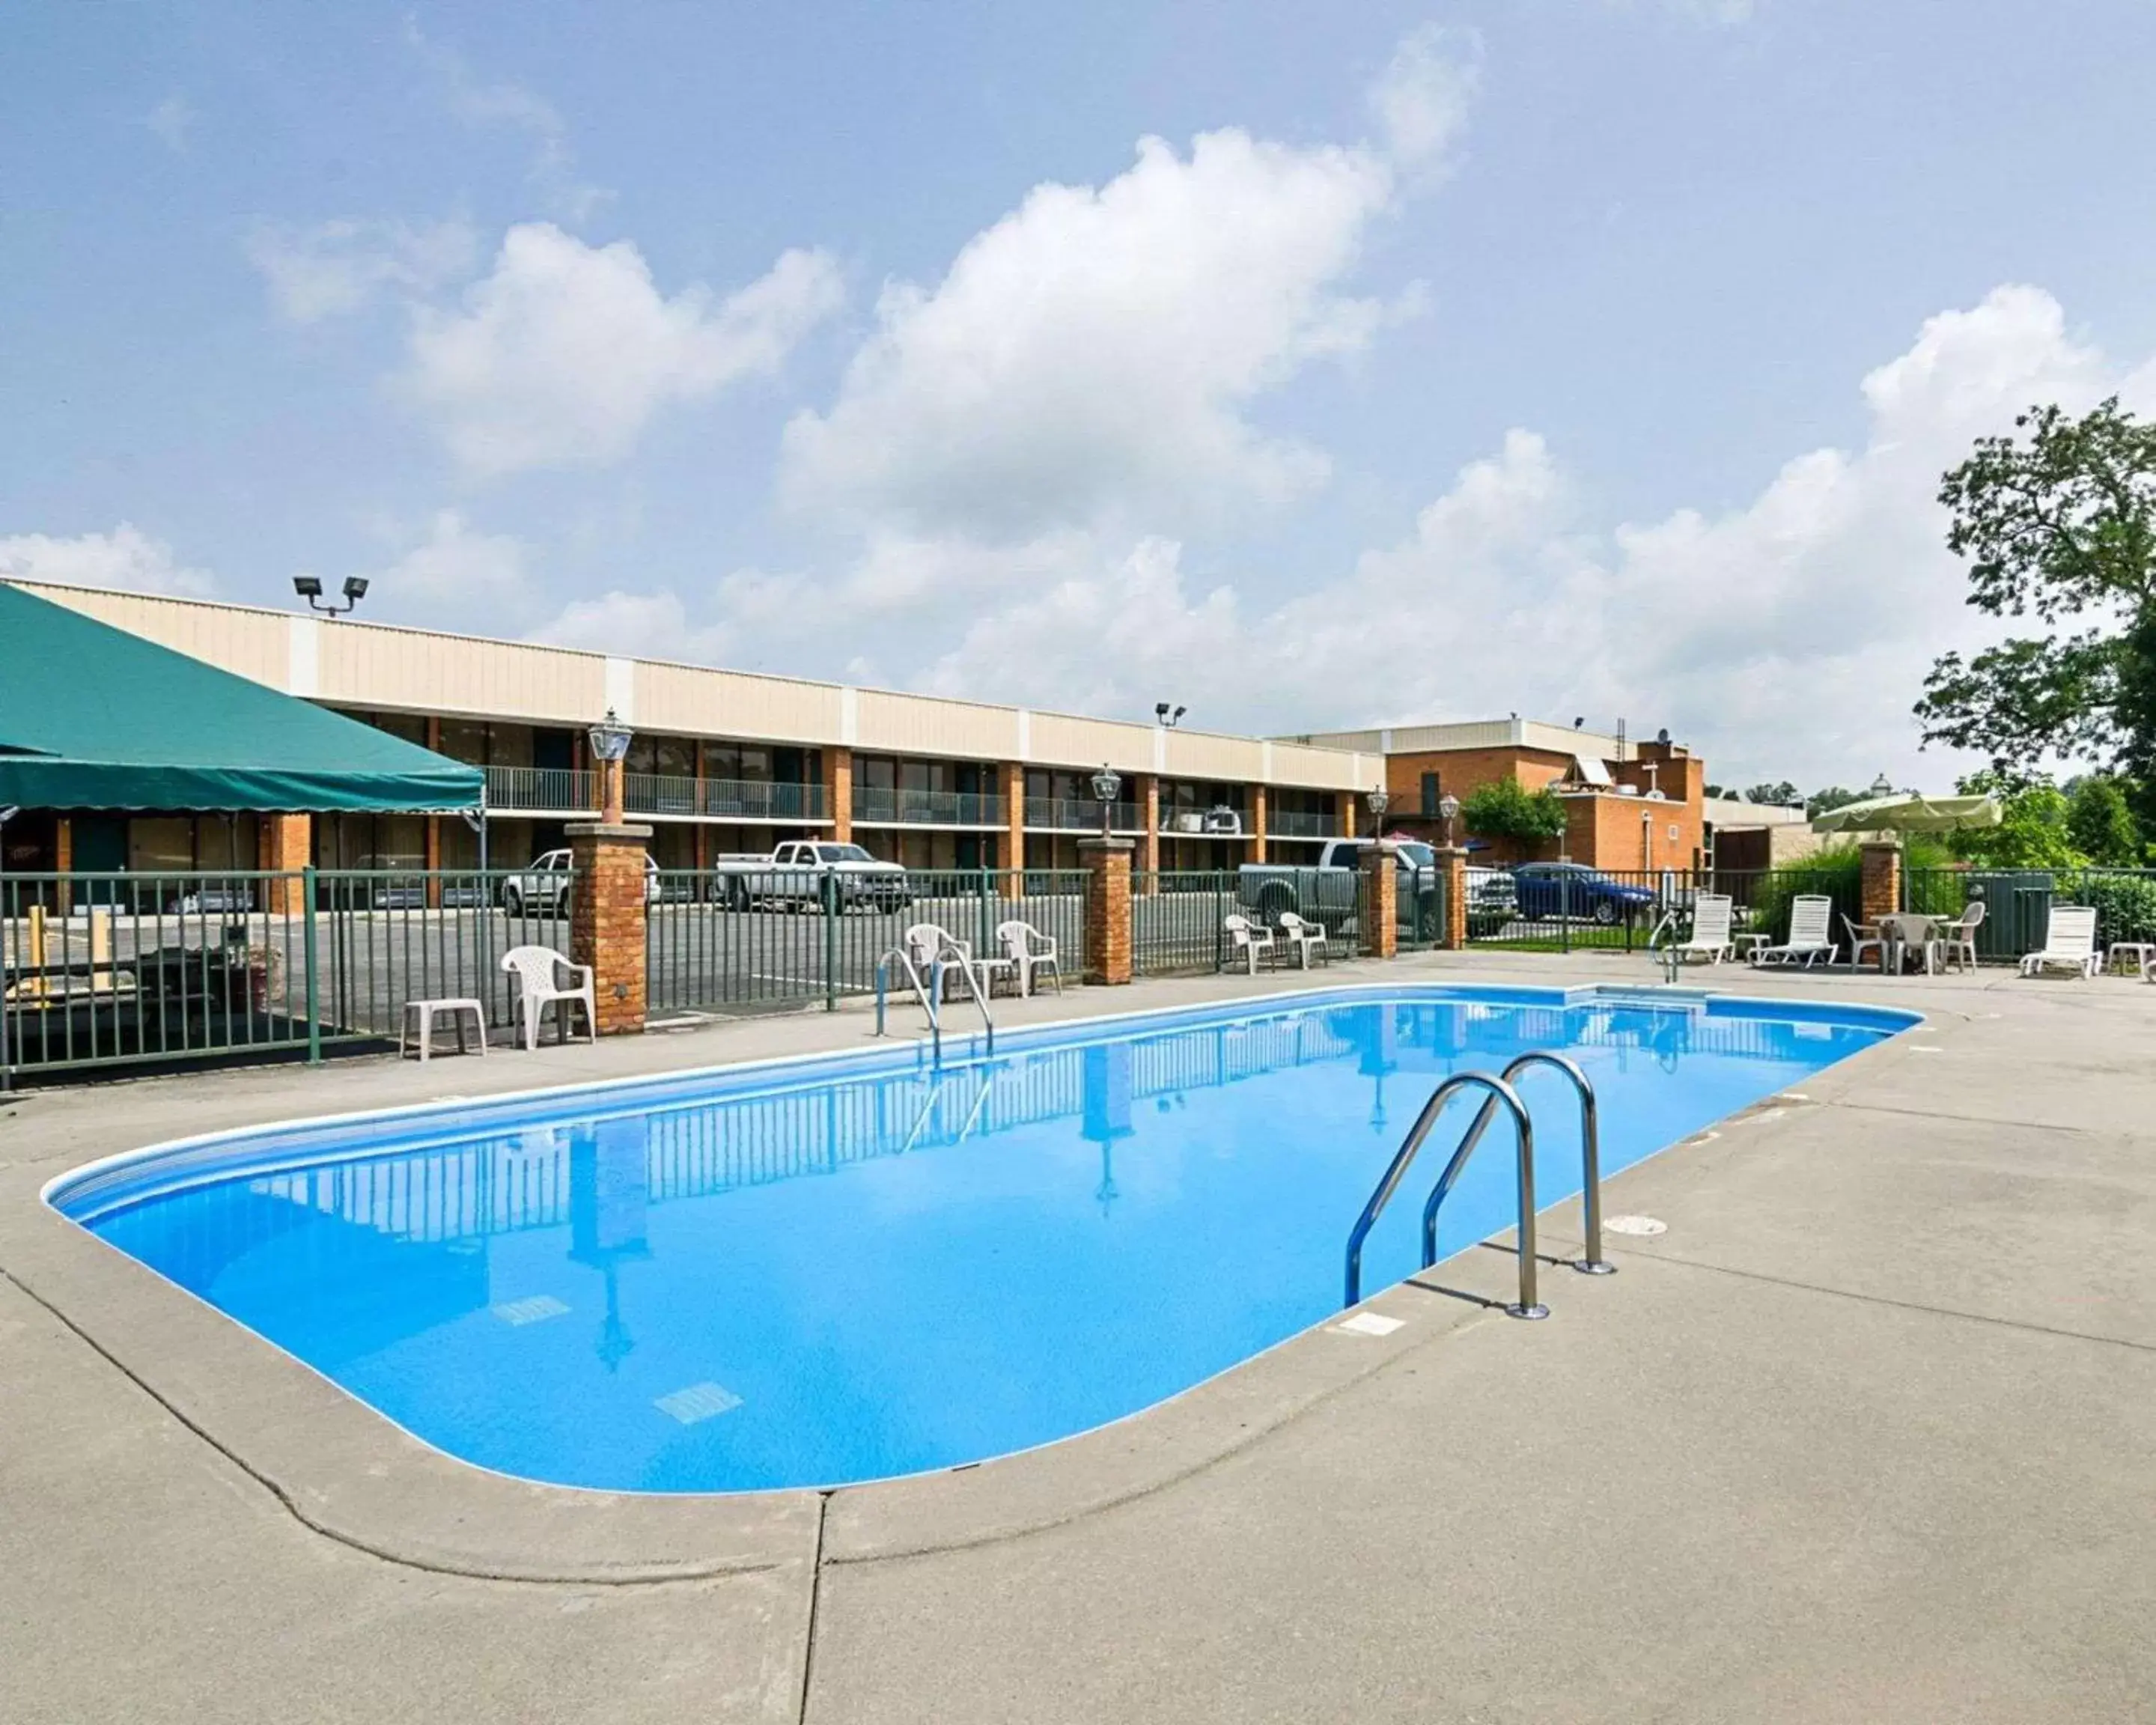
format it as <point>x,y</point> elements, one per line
<point>1074,815</point>
<point>541,788</point>
<point>877,807</point>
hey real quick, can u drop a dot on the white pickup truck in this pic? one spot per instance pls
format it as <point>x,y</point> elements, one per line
<point>793,874</point>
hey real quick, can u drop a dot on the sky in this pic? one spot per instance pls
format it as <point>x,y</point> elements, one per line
<point>1306,366</point>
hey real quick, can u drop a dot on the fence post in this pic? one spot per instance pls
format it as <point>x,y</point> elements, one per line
<point>1381,891</point>
<point>307,946</point>
<point>1107,909</point>
<point>1881,892</point>
<point>831,910</point>
<point>609,928</point>
<point>1563,912</point>
<point>1455,888</point>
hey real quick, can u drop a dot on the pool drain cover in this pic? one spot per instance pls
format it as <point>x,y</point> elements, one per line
<point>1635,1224</point>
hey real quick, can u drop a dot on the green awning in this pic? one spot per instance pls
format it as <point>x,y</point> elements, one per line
<point>93,717</point>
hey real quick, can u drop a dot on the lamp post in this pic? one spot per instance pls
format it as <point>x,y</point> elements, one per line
<point>610,741</point>
<point>1169,717</point>
<point>1107,783</point>
<point>1376,800</point>
<point>1448,811</point>
<point>309,588</point>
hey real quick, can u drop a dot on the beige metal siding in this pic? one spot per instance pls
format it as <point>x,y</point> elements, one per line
<point>1058,739</point>
<point>362,665</point>
<point>1203,754</point>
<point>715,703</point>
<point>1316,768</point>
<point>255,645</point>
<point>922,725</point>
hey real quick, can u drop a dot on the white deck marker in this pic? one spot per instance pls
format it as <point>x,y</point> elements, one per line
<point>699,1401</point>
<point>1370,1324</point>
<point>530,1311</point>
<point>1640,1226</point>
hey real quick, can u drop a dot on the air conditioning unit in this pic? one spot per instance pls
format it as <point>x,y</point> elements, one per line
<point>1223,819</point>
<point>1189,821</point>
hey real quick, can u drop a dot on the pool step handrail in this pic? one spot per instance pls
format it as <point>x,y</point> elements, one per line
<point>1590,1159</point>
<point>1501,1094</point>
<point>921,992</point>
<point>965,969</point>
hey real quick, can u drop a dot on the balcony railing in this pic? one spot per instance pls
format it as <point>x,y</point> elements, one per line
<point>1074,815</point>
<point>763,799</point>
<point>541,788</point>
<point>927,808</point>
<point>1296,824</point>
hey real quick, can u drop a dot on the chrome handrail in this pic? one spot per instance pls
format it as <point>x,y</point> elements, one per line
<point>973,987</point>
<point>1590,1162</point>
<point>920,993</point>
<point>1499,1092</point>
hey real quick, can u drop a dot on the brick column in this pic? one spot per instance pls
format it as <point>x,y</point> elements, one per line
<point>839,793</point>
<point>1380,909</point>
<point>1261,807</point>
<point>1014,781</point>
<point>1453,860</point>
<point>1107,865</point>
<point>1344,816</point>
<point>606,919</point>
<point>64,862</point>
<point>1881,891</point>
<point>283,844</point>
<point>1148,855</point>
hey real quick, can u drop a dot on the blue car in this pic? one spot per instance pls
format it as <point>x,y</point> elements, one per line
<point>1548,891</point>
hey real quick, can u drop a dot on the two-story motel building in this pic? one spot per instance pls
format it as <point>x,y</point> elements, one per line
<point>722,762</point>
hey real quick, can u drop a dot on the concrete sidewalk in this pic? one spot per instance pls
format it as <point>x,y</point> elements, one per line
<point>1866,1435</point>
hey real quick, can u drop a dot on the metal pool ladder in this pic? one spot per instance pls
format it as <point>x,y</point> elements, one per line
<point>930,992</point>
<point>1501,1095</point>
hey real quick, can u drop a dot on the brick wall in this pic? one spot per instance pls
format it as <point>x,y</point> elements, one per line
<point>607,912</point>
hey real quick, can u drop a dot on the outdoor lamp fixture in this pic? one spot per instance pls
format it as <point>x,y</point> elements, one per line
<point>1376,800</point>
<point>1880,787</point>
<point>609,740</point>
<point>1448,811</point>
<point>1169,717</point>
<point>309,588</point>
<point>1107,783</point>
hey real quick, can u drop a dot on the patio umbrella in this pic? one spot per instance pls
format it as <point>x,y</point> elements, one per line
<point>1910,811</point>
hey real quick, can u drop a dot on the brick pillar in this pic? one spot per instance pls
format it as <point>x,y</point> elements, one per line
<point>1107,865</point>
<point>1344,816</point>
<point>1881,891</point>
<point>1148,855</point>
<point>1261,807</point>
<point>1380,906</point>
<point>839,793</point>
<point>64,862</point>
<point>606,919</point>
<point>1013,779</point>
<point>284,843</point>
<point>1453,860</point>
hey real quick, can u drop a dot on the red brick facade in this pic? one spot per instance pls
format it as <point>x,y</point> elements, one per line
<point>607,920</point>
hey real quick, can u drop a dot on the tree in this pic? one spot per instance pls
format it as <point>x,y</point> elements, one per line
<point>2099,824</point>
<point>2032,830</point>
<point>1505,808</point>
<point>2058,521</point>
<point>1834,796</point>
<point>1779,795</point>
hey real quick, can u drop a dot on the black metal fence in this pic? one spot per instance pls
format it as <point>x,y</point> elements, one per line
<point>125,969</point>
<point>750,941</point>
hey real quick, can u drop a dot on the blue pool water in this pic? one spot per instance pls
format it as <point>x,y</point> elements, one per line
<point>837,1270</point>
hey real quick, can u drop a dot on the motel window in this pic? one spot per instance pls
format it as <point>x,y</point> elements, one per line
<point>1431,794</point>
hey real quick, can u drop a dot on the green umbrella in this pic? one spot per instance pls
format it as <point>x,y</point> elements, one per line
<point>1910,811</point>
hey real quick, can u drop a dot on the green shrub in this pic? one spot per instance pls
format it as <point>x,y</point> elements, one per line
<point>1838,871</point>
<point>1505,808</point>
<point>2125,904</point>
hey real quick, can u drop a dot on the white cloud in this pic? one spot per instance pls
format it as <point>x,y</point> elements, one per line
<point>337,267</point>
<point>1090,358</point>
<point>170,121</point>
<point>126,558</point>
<point>561,355</point>
<point>457,571</point>
<point>481,102</point>
<point>1422,98</point>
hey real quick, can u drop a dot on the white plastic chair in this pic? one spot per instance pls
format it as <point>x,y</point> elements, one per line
<point>1710,938</point>
<point>1249,939</point>
<point>1957,940</point>
<point>539,971</point>
<point>1305,937</point>
<point>1811,935</point>
<point>1028,952</point>
<point>926,943</point>
<point>1863,936</point>
<point>2069,942</point>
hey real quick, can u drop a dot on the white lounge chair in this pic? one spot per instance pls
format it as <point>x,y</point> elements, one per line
<point>1248,939</point>
<point>1028,952</point>
<point>1710,937</point>
<point>2069,942</point>
<point>1957,940</point>
<point>1811,936</point>
<point>1305,937</point>
<point>1863,936</point>
<point>539,972</point>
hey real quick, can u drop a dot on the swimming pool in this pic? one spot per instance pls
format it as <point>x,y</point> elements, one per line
<point>824,1272</point>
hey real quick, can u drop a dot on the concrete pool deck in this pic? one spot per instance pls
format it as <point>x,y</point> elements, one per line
<point>1869,1433</point>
